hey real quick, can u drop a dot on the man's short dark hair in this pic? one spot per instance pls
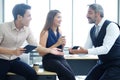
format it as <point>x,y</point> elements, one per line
<point>20,9</point>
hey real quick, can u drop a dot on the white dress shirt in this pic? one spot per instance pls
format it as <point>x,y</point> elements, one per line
<point>112,33</point>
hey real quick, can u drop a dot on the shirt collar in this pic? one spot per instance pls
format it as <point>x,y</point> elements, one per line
<point>101,23</point>
<point>14,27</point>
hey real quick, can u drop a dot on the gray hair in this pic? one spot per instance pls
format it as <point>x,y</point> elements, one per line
<point>97,8</point>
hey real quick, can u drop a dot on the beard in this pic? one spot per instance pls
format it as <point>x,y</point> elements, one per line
<point>91,21</point>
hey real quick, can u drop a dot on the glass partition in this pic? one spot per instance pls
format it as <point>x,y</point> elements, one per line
<point>8,5</point>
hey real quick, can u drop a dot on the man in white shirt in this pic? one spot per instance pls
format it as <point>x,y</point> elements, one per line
<point>106,45</point>
<point>12,36</point>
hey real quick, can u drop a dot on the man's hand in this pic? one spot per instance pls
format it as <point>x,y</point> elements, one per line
<point>18,51</point>
<point>78,51</point>
<point>43,51</point>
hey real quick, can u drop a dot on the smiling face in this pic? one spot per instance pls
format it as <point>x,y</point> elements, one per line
<point>57,19</point>
<point>91,16</point>
<point>25,21</point>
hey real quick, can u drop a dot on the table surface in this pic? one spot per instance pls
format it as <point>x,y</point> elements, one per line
<point>39,72</point>
<point>43,72</point>
<point>81,56</point>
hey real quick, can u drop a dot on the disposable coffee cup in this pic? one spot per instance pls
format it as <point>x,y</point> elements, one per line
<point>36,67</point>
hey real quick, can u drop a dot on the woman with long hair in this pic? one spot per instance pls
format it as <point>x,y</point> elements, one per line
<point>51,37</point>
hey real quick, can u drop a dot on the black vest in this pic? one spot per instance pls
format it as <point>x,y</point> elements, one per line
<point>114,52</point>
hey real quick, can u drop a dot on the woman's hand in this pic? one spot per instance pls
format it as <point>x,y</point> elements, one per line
<point>61,41</point>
